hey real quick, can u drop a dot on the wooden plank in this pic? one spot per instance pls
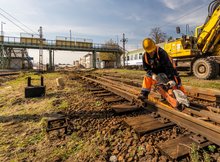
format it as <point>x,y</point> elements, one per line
<point>124,108</point>
<point>203,93</point>
<point>113,99</point>
<point>132,121</point>
<point>101,91</point>
<point>95,89</point>
<point>146,124</point>
<point>179,147</point>
<point>104,94</point>
<point>151,127</point>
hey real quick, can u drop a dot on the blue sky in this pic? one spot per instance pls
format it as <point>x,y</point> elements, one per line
<point>102,20</point>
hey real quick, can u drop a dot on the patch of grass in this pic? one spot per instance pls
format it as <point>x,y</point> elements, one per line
<point>63,105</point>
<point>206,157</point>
<point>20,157</point>
<point>194,153</point>
<point>73,147</point>
<point>43,124</point>
<point>98,103</point>
<point>140,148</point>
<point>192,81</point>
<point>212,148</point>
<point>30,140</point>
<point>34,139</point>
<point>22,129</point>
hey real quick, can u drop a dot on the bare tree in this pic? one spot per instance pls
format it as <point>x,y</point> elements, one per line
<point>157,35</point>
<point>107,56</point>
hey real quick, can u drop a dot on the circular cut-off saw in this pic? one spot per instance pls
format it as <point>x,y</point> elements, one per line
<point>170,92</point>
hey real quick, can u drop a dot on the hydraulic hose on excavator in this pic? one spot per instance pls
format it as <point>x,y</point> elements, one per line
<point>212,6</point>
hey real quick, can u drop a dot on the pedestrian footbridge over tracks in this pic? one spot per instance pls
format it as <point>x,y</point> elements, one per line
<point>62,43</point>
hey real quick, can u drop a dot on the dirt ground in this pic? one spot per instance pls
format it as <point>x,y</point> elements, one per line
<point>95,132</point>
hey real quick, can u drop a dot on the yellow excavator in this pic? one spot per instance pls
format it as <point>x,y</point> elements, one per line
<point>199,53</point>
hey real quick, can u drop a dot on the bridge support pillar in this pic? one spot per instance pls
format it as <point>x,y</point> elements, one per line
<point>1,57</point>
<point>118,60</point>
<point>50,60</point>
<point>94,59</point>
<point>53,62</point>
<point>22,59</point>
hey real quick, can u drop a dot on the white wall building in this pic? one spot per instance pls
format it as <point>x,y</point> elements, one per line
<point>88,61</point>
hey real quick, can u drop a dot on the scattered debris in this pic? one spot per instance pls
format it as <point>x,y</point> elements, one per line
<point>60,83</point>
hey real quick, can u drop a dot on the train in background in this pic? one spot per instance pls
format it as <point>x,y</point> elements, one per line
<point>134,58</point>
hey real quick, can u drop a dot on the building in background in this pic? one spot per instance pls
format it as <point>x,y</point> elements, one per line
<point>88,60</point>
<point>103,61</point>
<point>16,59</point>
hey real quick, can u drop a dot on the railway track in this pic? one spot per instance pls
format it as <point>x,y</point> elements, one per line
<point>201,122</point>
<point>7,75</point>
<point>208,95</point>
<point>2,74</point>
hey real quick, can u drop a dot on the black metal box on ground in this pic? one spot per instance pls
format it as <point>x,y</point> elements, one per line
<point>35,91</point>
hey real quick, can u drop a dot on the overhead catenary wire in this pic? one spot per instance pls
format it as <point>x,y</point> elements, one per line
<point>14,23</point>
<point>182,16</point>
<point>18,21</point>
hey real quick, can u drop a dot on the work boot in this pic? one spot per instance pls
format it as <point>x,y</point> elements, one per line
<point>143,95</point>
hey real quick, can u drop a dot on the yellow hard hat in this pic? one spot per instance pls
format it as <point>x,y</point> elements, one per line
<point>149,45</point>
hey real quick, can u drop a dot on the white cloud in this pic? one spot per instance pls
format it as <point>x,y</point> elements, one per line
<point>133,17</point>
<point>175,4</point>
<point>193,18</point>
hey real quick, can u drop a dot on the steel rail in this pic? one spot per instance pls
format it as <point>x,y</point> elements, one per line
<point>206,94</point>
<point>8,73</point>
<point>205,129</point>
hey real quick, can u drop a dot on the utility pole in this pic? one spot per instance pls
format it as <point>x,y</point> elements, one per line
<point>70,35</point>
<point>124,40</point>
<point>40,67</point>
<point>2,32</point>
<point>117,39</point>
<point>2,47</point>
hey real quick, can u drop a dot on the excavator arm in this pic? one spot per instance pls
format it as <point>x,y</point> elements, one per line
<point>209,36</point>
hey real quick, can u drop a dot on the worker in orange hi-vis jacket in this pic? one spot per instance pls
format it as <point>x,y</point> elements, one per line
<point>155,61</point>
